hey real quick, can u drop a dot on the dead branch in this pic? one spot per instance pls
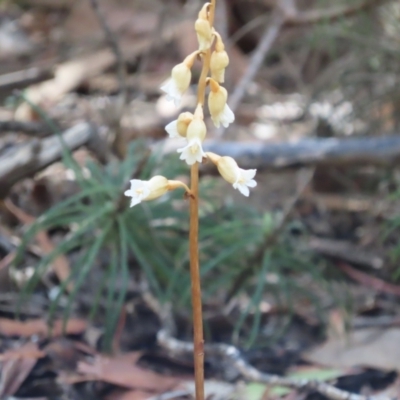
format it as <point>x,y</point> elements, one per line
<point>330,15</point>
<point>268,38</point>
<point>25,77</point>
<point>346,251</point>
<point>383,150</point>
<point>115,48</point>
<point>33,128</point>
<point>232,355</point>
<point>27,159</point>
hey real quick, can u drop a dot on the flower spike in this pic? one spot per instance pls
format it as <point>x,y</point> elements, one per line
<point>241,179</point>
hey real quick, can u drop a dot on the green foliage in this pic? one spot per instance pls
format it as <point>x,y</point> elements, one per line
<point>151,239</point>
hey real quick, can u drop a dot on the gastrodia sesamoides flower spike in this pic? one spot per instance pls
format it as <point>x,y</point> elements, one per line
<point>241,179</point>
<point>203,29</point>
<point>151,189</point>
<point>196,132</point>
<point>219,60</point>
<point>179,82</point>
<point>217,104</point>
<point>178,128</point>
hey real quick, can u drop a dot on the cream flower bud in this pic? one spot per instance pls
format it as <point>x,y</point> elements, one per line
<point>240,179</point>
<point>179,127</point>
<point>179,82</point>
<point>203,29</point>
<point>219,109</point>
<point>152,189</point>
<point>196,132</point>
<point>219,60</point>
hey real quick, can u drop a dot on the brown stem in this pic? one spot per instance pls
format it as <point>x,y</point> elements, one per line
<point>198,337</point>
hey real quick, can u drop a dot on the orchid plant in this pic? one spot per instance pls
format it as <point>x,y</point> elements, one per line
<point>192,128</point>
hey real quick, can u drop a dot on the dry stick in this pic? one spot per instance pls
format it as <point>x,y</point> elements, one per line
<point>119,144</point>
<point>266,42</point>
<point>232,355</point>
<point>115,48</point>
<point>198,335</point>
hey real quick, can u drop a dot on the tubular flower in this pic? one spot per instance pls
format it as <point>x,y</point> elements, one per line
<point>241,179</point>
<point>149,190</point>
<point>203,29</point>
<point>179,82</point>
<point>179,127</point>
<point>219,109</point>
<point>219,60</point>
<point>195,135</point>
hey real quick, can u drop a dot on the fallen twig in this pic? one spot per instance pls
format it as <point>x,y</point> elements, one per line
<point>346,251</point>
<point>115,48</point>
<point>370,281</point>
<point>27,159</point>
<point>382,150</point>
<point>231,354</point>
<point>268,38</point>
<point>12,80</point>
<point>37,129</point>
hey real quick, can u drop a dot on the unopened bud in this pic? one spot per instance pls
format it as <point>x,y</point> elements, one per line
<point>219,60</point>
<point>203,29</point>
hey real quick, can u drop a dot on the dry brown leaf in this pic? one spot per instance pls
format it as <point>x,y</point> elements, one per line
<point>16,365</point>
<point>371,347</point>
<point>123,371</point>
<point>9,327</point>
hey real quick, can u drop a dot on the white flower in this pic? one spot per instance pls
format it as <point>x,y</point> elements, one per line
<point>172,129</point>
<point>241,179</point>
<point>138,192</point>
<point>174,93</point>
<point>245,180</point>
<point>180,79</point>
<point>226,117</point>
<point>217,104</point>
<point>192,152</point>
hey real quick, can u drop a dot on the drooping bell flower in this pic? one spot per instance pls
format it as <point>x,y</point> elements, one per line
<point>151,189</point>
<point>179,82</point>
<point>196,132</point>
<point>241,179</point>
<point>217,104</point>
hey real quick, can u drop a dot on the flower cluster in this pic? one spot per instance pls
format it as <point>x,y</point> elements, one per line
<point>191,127</point>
